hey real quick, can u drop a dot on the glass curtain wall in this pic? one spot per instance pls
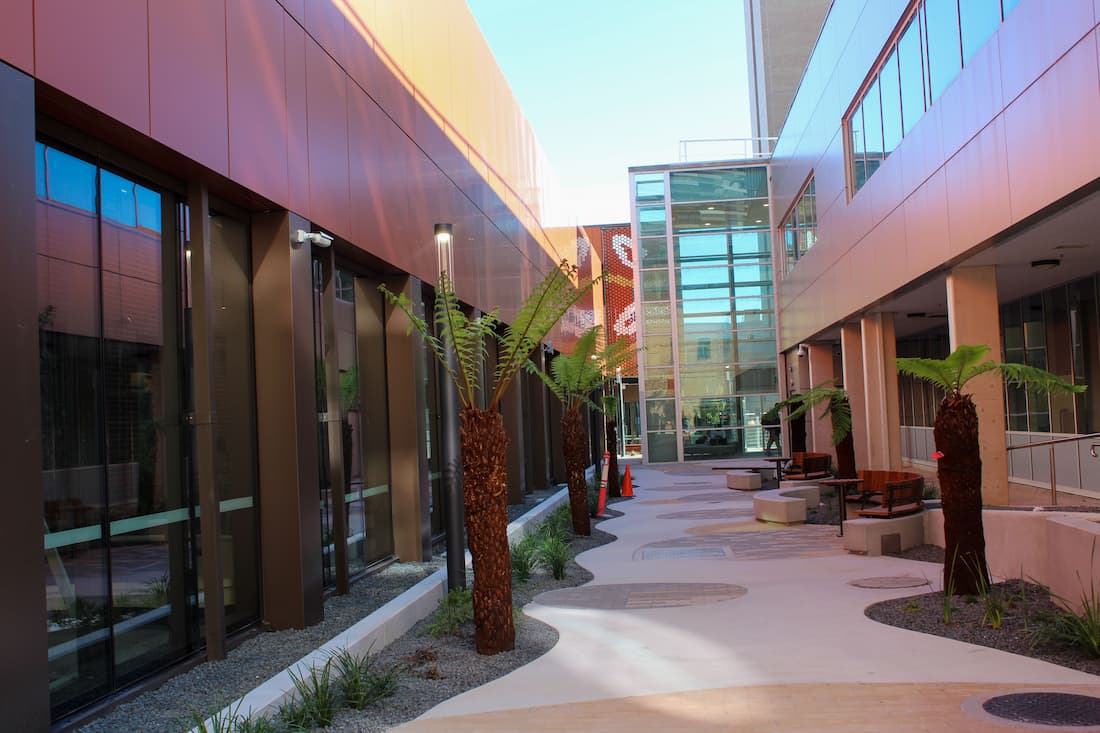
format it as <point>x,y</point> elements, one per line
<point>1056,330</point>
<point>707,311</point>
<point>940,37</point>
<point>120,589</point>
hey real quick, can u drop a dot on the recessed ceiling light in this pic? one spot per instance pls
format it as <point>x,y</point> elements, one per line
<point>710,208</point>
<point>765,206</point>
<point>706,223</point>
<point>759,221</point>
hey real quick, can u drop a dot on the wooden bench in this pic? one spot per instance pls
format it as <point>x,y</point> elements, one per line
<point>898,499</point>
<point>807,466</point>
<point>873,488</point>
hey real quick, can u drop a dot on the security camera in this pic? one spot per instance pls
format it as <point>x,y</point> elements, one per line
<point>319,238</point>
<point>803,350</point>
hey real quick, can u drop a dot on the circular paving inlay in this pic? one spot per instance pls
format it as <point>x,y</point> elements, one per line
<point>630,596</point>
<point>1042,709</point>
<point>895,581</point>
<point>767,544</point>
<point>708,514</point>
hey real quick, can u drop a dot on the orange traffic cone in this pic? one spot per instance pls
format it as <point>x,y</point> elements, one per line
<point>627,488</point>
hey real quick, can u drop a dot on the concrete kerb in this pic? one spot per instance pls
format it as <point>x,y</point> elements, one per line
<point>374,631</point>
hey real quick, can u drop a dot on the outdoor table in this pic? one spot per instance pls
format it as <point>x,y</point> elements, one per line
<point>780,462</point>
<point>841,485</point>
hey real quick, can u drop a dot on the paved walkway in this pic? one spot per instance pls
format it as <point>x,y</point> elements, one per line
<point>769,635</point>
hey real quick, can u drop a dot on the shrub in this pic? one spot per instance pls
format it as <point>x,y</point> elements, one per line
<point>554,553</point>
<point>524,558</point>
<point>594,498</point>
<point>230,721</point>
<point>317,700</point>
<point>1080,631</point>
<point>558,524</point>
<point>455,609</point>
<point>360,681</point>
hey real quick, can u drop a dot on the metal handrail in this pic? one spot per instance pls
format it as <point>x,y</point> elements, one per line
<point>1051,444</point>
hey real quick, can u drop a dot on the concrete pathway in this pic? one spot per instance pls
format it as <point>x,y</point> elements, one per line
<point>766,634</point>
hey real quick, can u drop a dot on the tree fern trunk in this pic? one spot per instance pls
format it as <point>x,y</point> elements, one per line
<point>485,485</point>
<point>846,458</point>
<point>960,476</point>
<point>575,450</point>
<point>613,488</point>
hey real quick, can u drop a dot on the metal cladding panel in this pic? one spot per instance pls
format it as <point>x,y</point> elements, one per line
<point>189,109</point>
<point>24,675</point>
<point>619,307</point>
<point>98,53</point>
<point>327,115</point>
<point>297,141</point>
<point>257,98</point>
<point>324,21</point>
<point>17,35</point>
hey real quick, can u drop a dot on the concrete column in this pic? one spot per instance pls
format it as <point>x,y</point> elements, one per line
<point>819,429</point>
<point>409,479</point>
<point>880,391</point>
<point>851,346</point>
<point>973,317</point>
<point>286,412</point>
<point>24,674</point>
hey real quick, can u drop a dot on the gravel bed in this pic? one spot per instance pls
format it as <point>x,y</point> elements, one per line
<point>435,668</point>
<point>1026,604</point>
<point>438,668</point>
<point>212,685</point>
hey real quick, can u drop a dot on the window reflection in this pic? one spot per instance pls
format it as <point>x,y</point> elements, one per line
<point>119,588</point>
<point>939,38</point>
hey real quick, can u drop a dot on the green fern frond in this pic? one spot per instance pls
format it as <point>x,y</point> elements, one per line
<point>417,322</point>
<point>965,363</point>
<point>552,385</point>
<point>837,407</point>
<point>1037,379</point>
<point>545,306</point>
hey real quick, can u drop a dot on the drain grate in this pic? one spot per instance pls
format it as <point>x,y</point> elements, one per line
<point>1059,709</point>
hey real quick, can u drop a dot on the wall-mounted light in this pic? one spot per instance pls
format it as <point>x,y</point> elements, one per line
<point>444,245</point>
<point>319,238</point>
<point>1047,264</point>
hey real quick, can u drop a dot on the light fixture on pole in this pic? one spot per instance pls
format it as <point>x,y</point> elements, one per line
<point>444,246</point>
<point>451,439</point>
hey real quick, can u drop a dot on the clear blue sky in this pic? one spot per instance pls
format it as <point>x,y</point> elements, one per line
<point>608,84</point>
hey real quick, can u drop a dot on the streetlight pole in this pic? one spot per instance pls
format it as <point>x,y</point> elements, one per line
<point>451,442</point>
<point>622,412</point>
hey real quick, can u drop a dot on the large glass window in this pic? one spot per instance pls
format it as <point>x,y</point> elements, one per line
<point>714,185</point>
<point>911,73</point>
<point>120,581</point>
<point>800,226</point>
<point>939,38</point>
<point>890,91</point>
<point>944,47</point>
<point>649,187</point>
<point>651,221</point>
<point>654,252</point>
<point>977,21</point>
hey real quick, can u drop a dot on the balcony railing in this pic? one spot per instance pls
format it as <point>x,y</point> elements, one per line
<point>726,148</point>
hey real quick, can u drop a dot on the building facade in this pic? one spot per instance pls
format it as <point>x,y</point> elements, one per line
<point>214,419</point>
<point>707,370</point>
<point>936,184</point>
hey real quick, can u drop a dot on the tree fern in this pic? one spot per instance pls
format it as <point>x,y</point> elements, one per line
<point>837,407</point>
<point>965,363</point>
<point>545,306</point>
